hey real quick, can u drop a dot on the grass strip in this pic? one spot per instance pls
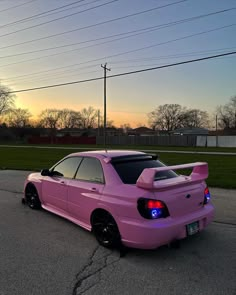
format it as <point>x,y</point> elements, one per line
<point>222,169</point>
<point>134,147</point>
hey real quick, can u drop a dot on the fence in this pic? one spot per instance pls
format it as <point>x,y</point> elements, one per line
<point>173,140</point>
<point>61,140</point>
<point>216,141</point>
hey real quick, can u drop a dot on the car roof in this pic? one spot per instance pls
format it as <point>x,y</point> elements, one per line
<point>108,153</point>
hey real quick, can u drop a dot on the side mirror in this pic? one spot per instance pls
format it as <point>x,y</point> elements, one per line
<point>45,172</point>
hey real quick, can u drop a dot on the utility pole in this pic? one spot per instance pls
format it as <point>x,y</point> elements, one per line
<point>216,131</point>
<point>235,119</point>
<point>105,101</point>
<point>98,122</point>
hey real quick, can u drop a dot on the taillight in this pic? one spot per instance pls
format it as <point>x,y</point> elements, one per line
<point>207,196</point>
<point>152,209</point>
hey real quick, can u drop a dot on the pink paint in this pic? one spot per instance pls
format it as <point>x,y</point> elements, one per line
<point>76,200</point>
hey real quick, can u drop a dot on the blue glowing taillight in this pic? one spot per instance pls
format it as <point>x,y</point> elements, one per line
<point>152,209</point>
<point>207,195</point>
<point>156,213</point>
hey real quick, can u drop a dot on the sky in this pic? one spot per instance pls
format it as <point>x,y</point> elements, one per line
<point>128,35</point>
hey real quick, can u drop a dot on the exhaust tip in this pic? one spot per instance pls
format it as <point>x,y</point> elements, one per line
<point>174,244</point>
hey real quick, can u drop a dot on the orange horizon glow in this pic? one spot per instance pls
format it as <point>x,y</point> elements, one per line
<point>134,119</point>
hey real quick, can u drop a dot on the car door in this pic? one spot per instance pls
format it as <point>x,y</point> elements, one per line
<point>85,190</point>
<point>55,187</point>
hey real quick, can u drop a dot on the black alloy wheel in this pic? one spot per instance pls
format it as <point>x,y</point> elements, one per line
<point>32,198</point>
<point>106,230</point>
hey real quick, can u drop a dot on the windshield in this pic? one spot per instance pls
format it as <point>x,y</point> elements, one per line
<point>129,171</point>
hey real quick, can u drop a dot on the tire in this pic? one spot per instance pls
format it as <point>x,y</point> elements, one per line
<point>105,229</point>
<point>32,198</point>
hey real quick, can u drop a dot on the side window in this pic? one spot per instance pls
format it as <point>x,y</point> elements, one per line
<point>90,170</point>
<point>67,167</point>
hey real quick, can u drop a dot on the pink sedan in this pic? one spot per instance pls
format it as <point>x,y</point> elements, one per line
<point>124,197</point>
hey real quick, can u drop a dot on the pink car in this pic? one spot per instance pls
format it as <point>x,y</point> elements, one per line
<point>125,197</point>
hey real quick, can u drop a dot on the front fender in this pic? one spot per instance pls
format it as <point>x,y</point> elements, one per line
<point>36,180</point>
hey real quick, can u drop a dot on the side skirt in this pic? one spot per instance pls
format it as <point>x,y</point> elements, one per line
<point>67,216</point>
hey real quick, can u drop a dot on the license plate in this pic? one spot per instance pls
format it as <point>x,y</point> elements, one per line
<point>192,228</point>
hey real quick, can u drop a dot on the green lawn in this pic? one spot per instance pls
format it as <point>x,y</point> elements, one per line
<point>222,169</point>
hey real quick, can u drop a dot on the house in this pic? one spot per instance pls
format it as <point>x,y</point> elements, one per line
<point>143,131</point>
<point>190,131</point>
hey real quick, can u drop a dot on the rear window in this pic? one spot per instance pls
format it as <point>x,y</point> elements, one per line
<point>129,171</point>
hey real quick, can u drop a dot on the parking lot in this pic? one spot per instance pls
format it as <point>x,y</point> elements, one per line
<point>41,253</point>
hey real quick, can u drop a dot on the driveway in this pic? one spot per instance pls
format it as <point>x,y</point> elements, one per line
<point>41,253</point>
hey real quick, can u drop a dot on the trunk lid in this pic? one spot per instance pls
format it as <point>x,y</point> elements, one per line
<point>182,194</point>
<point>183,200</point>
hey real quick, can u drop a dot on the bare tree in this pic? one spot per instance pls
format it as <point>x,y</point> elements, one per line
<point>233,111</point>
<point>223,117</point>
<point>49,118</point>
<point>88,117</point>
<point>166,117</point>
<point>69,119</point>
<point>17,118</point>
<point>227,114</point>
<point>195,118</point>
<point>6,99</point>
<point>173,116</point>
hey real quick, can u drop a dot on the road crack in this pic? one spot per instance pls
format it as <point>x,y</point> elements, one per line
<point>90,274</point>
<point>10,191</point>
<point>224,222</point>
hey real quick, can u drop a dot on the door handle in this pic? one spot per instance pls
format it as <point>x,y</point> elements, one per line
<point>93,189</point>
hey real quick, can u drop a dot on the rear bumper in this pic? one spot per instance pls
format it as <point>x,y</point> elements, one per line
<point>151,234</point>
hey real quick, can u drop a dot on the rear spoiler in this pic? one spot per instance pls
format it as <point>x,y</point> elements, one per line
<point>146,179</point>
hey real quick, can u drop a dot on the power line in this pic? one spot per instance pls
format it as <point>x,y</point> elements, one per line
<point>59,18</point>
<point>129,33</point>
<point>139,66</point>
<point>37,73</point>
<point>46,14</point>
<point>99,59</point>
<point>63,10</point>
<point>29,18</point>
<point>170,57</point>
<point>82,42</point>
<point>184,54</point>
<point>127,73</point>
<point>71,75</point>
<point>97,24</point>
<point>125,52</point>
<point>19,5</point>
<point>63,74</point>
<point>77,43</point>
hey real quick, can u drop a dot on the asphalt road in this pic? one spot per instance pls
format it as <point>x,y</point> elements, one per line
<point>41,253</point>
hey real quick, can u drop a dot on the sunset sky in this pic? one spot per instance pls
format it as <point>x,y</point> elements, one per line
<point>161,32</point>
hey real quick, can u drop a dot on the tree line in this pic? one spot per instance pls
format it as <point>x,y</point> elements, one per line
<point>173,116</point>
<point>165,117</point>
